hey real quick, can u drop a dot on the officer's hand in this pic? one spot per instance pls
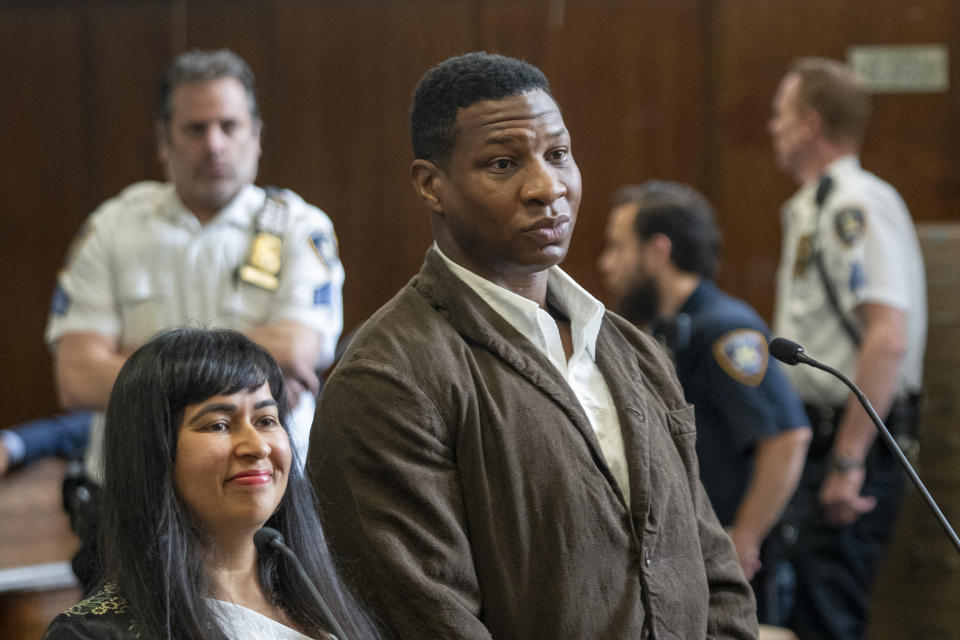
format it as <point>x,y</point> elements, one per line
<point>304,376</point>
<point>293,388</point>
<point>840,496</point>
<point>299,380</point>
<point>748,551</point>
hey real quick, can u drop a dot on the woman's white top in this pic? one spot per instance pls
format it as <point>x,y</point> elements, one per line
<point>243,623</point>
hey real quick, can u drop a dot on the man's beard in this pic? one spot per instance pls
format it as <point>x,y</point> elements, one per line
<point>640,303</point>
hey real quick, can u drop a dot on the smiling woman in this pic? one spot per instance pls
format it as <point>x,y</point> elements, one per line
<point>233,457</point>
<point>197,459</point>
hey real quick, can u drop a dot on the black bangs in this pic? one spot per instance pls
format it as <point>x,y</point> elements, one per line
<point>237,367</point>
<point>187,366</point>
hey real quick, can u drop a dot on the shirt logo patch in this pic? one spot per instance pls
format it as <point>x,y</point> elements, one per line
<point>60,302</point>
<point>321,295</point>
<point>850,225</point>
<point>325,246</point>
<point>742,353</point>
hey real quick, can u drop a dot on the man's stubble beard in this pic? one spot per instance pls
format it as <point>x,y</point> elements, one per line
<point>640,302</point>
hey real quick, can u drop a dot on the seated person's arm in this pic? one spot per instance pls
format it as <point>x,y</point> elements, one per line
<point>61,435</point>
<point>85,366</point>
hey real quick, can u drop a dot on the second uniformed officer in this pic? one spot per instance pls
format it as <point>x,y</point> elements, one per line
<point>851,290</point>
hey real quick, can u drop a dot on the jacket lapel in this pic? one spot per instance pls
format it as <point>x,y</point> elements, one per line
<point>477,322</point>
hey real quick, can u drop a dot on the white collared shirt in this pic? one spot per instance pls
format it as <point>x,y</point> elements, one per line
<point>580,371</point>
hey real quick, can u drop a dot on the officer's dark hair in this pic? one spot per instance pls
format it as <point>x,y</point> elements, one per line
<point>681,213</point>
<point>833,90</point>
<point>457,83</point>
<point>203,66</point>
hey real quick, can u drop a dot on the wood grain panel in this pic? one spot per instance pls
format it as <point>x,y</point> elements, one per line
<point>42,129</point>
<point>633,105</point>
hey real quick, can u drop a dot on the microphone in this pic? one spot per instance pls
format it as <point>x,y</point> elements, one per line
<point>269,540</point>
<point>791,353</point>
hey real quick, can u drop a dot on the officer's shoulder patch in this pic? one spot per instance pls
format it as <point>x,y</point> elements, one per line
<point>850,224</point>
<point>742,354</point>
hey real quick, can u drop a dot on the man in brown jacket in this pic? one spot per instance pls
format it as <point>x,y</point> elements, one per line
<point>496,455</point>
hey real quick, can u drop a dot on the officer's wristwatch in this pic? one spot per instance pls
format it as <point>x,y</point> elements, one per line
<point>843,464</point>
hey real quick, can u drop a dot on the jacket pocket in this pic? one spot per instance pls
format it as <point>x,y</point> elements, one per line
<point>683,429</point>
<point>681,422</point>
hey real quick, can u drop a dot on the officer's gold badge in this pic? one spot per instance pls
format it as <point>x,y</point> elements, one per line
<point>264,263</point>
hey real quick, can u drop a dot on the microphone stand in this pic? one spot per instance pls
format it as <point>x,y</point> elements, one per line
<point>891,444</point>
<point>268,539</point>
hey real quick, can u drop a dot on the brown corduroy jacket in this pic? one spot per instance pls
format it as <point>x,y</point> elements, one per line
<point>465,493</point>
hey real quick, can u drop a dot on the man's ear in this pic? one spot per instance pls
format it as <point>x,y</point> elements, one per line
<point>428,183</point>
<point>258,134</point>
<point>662,247</point>
<point>812,120</point>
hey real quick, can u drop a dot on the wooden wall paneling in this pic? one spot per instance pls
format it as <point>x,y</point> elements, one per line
<point>79,117</point>
<point>912,138</point>
<point>632,76</point>
<point>42,128</point>
<point>126,48</point>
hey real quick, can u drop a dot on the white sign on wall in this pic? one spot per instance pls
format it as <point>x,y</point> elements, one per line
<point>920,68</point>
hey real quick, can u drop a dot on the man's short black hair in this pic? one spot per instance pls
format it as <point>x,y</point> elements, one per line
<point>681,213</point>
<point>457,83</point>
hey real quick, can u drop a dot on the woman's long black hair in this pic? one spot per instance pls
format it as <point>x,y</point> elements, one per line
<point>150,546</point>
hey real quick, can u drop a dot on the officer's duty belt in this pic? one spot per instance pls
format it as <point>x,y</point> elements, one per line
<point>902,420</point>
